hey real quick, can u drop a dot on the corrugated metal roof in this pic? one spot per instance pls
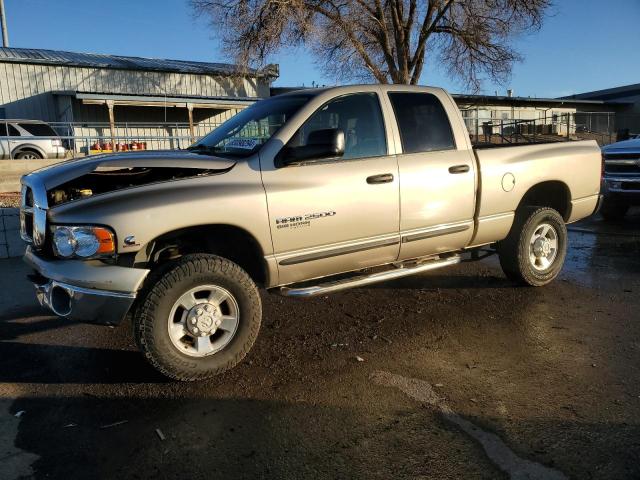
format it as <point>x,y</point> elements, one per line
<point>75,59</point>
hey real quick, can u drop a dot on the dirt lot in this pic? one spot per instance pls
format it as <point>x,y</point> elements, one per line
<point>463,376</point>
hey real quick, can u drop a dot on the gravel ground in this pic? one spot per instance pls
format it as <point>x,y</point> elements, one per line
<point>9,200</point>
<point>463,376</point>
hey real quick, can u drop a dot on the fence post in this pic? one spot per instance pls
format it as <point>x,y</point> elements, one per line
<point>190,112</point>
<point>6,131</point>
<point>112,122</point>
<point>477,125</point>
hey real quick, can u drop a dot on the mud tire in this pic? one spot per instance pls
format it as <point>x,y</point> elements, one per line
<point>152,312</point>
<point>514,251</point>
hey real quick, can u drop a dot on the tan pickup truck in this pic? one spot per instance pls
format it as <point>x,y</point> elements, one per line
<point>303,194</point>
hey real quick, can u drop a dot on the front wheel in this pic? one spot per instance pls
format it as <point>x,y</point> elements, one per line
<point>534,251</point>
<point>199,318</point>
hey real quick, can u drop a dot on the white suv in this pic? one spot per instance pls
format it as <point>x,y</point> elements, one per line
<point>29,140</point>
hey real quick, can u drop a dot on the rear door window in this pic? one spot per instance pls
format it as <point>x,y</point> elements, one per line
<point>423,123</point>
<point>39,129</point>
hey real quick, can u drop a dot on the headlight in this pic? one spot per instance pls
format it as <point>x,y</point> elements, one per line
<point>83,242</point>
<point>63,241</point>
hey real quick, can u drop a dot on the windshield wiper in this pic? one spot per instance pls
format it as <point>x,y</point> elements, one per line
<point>213,150</point>
<point>200,148</point>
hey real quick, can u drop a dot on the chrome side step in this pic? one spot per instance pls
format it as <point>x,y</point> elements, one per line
<point>362,280</point>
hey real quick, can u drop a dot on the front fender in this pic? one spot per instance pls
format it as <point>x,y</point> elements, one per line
<point>235,198</point>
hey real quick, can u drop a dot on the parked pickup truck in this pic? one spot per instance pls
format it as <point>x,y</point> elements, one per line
<point>304,194</point>
<point>621,178</point>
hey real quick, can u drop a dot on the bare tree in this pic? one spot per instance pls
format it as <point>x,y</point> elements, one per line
<point>384,40</point>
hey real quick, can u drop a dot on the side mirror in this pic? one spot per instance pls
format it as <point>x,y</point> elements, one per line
<point>321,144</point>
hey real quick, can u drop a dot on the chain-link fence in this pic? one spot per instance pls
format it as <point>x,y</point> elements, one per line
<point>29,139</point>
<point>599,126</point>
<point>88,138</point>
<point>58,140</point>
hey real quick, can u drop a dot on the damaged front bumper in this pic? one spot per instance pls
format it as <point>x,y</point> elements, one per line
<point>89,292</point>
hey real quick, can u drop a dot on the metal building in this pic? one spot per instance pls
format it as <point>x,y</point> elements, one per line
<point>626,99</point>
<point>105,92</point>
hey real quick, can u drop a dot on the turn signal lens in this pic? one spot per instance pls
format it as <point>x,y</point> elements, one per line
<point>105,237</point>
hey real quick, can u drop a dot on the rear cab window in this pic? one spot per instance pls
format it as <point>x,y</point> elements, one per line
<point>423,123</point>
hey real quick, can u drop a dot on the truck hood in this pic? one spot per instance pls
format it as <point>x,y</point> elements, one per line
<point>627,146</point>
<point>60,173</point>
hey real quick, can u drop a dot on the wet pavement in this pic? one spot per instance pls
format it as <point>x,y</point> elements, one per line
<point>464,376</point>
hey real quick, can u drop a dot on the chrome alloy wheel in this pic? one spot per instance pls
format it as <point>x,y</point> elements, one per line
<point>203,320</point>
<point>543,247</point>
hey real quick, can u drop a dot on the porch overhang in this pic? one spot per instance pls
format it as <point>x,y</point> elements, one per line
<point>216,103</point>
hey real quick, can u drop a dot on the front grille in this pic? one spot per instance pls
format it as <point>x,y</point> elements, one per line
<point>33,213</point>
<point>26,214</point>
<point>622,168</point>
<point>26,226</point>
<point>622,163</point>
<point>633,186</point>
<point>622,156</point>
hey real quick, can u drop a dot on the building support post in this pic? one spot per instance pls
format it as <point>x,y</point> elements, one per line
<point>191,130</point>
<point>112,125</point>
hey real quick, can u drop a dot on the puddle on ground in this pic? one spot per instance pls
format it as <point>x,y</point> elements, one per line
<point>499,453</point>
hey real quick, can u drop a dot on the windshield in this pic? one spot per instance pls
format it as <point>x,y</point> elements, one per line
<point>244,133</point>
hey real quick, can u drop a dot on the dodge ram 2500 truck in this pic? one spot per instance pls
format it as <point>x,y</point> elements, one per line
<point>304,193</point>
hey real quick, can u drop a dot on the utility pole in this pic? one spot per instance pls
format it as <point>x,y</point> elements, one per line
<point>3,20</point>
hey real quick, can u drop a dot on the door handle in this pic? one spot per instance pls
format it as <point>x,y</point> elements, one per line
<point>382,178</point>
<point>459,169</point>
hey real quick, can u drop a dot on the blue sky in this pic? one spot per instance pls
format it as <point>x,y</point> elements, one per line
<point>584,45</point>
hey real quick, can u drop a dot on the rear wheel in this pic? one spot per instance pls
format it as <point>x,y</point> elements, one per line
<point>613,209</point>
<point>534,251</point>
<point>199,318</point>
<point>28,155</point>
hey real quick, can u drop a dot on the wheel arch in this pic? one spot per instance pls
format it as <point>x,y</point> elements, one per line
<point>28,147</point>
<point>552,193</point>
<point>228,241</point>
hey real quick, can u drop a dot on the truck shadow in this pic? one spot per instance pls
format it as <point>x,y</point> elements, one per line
<point>11,329</point>
<point>58,364</point>
<point>457,278</point>
<point>244,438</point>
